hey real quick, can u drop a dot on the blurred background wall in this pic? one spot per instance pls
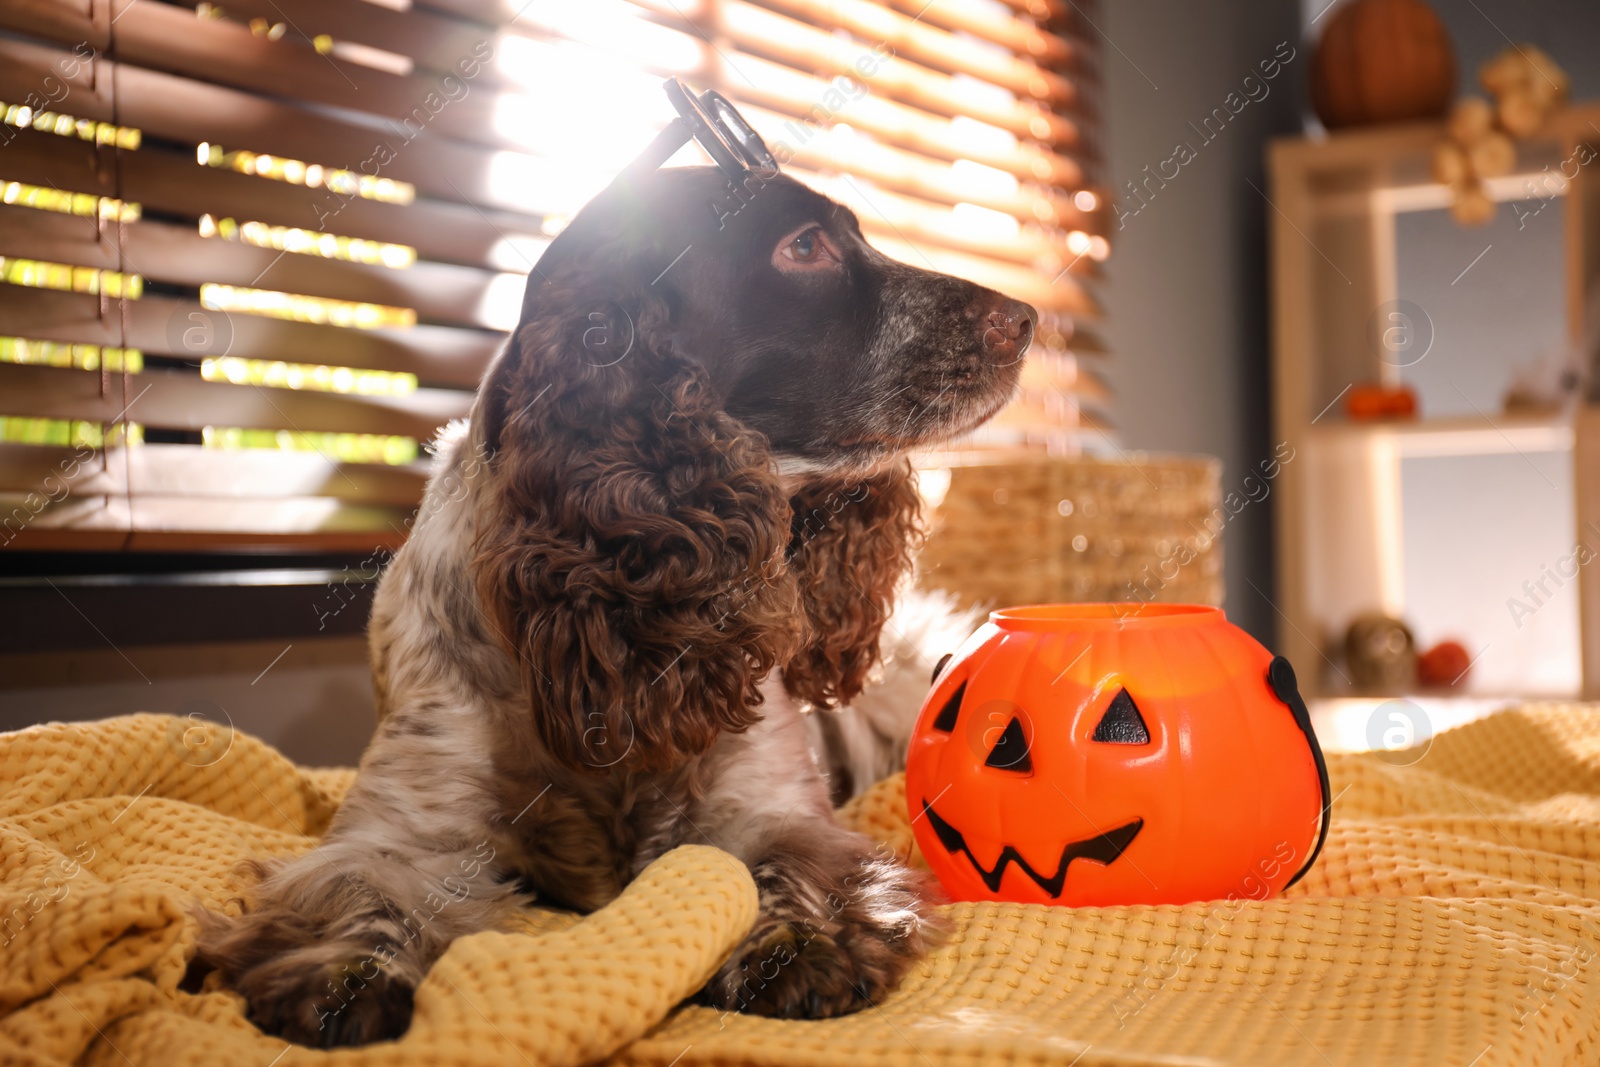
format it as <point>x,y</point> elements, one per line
<point>1187,290</point>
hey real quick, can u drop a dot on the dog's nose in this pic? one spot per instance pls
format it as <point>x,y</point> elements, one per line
<point>1007,329</point>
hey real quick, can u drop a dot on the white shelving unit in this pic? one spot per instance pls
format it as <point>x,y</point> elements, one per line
<point>1336,204</point>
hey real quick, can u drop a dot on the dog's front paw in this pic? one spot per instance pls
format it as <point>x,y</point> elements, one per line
<point>304,986</point>
<point>327,1004</point>
<point>789,971</point>
<point>798,964</point>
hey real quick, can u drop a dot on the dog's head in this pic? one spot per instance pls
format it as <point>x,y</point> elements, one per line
<point>698,435</point>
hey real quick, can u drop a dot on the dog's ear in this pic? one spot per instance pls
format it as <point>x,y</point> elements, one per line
<point>852,541</point>
<point>631,540</point>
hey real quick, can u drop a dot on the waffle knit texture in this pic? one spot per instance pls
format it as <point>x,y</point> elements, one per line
<point>1454,918</point>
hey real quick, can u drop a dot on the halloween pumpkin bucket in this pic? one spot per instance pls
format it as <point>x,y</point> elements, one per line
<point>1110,754</point>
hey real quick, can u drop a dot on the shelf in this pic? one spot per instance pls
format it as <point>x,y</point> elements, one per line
<point>1471,435</point>
<point>1441,543</point>
<point>1431,196</point>
<point>1381,145</point>
<point>1386,170</point>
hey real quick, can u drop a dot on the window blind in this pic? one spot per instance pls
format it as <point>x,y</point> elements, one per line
<point>253,254</point>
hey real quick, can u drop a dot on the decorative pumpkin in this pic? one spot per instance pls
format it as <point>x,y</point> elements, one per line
<point>1445,664</point>
<point>1369,402</point>
<point>1382,61</point>
<point>1527,86</point>
<point>1108,754</point>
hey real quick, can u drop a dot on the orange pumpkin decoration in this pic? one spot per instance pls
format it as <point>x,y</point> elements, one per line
<point>1445,664</point>
<point>1109,754</point>
<point>1382,61</point>
<point>1369,402</point>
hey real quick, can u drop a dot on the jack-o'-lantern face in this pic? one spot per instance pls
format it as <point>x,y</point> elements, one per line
<point>1114,754</point>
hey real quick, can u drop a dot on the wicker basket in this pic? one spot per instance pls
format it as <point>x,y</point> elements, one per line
<point>1064,530</point>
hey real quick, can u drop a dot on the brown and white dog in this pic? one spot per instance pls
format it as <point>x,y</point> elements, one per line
<point>677,521</point>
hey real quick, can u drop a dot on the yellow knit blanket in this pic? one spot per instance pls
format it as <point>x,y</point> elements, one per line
<point>1453,919</point>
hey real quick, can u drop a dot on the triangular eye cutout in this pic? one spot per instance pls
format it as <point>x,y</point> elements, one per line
<point>946,719</point>
<point>1122,724</point>
<point>1010,753</point>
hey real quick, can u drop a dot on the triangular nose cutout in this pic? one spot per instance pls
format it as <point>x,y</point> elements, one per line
<point>1010,753</point>
<point>1122,724</point>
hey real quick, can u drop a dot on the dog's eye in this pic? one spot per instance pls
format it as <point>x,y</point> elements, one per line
<point>808,248</point>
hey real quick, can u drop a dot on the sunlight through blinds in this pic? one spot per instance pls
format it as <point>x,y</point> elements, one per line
<point>253,254</point>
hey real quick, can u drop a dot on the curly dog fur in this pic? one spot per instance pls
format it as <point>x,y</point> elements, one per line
<point>649,599</point>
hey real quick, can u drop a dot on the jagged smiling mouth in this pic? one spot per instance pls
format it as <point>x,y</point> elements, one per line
<point>1103,849</point>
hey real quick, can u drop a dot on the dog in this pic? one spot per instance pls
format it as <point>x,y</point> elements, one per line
<point>649,578</point>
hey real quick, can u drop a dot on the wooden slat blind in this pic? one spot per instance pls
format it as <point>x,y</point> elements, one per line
<point>253,252</point>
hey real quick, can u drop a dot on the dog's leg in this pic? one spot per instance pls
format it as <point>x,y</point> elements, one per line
<point>335,942</point>
<point>841,920</point>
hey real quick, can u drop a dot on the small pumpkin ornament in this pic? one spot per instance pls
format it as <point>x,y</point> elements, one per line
<point>1115,754</point>
<point>1382,61</point>
<point>1443,665</point>
<point>1527,86</point>
<point>1374,401</point>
